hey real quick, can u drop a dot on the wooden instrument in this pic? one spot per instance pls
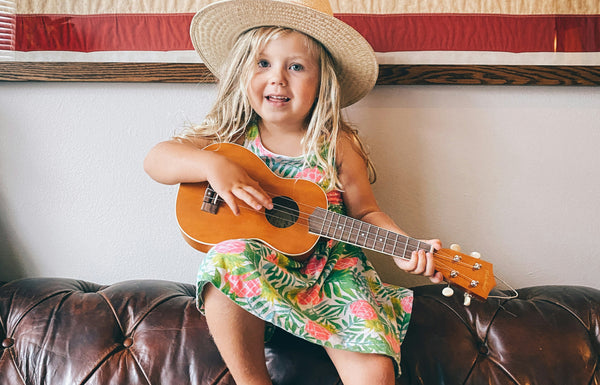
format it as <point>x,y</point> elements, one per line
<point>300,217</point>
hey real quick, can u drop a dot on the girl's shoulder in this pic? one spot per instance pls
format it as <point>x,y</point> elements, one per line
<point>346,144</point>
<point>350,149</point>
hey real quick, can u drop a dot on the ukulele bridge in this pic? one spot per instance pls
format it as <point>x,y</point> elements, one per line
<point>210,202</point>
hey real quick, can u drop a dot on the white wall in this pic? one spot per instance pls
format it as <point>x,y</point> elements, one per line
<point>511,172</point>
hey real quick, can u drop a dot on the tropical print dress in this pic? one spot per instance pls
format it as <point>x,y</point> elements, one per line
<point>335,298</point>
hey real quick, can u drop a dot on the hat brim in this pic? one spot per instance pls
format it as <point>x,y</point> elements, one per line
<point>215,28</point>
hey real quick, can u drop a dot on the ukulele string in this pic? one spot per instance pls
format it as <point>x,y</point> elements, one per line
<point>283,212</point>
<point>441,256</point>
<point>449,269</point>
<point>279,212</point>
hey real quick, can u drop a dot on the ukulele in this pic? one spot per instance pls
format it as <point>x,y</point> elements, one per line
<point>300,217</point>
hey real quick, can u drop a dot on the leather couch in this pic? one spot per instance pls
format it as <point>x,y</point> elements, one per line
<point>62,331</point>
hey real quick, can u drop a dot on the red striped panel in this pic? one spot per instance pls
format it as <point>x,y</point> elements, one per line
<point>88,33</point>
<point>387,33</point>
<point>463,32</point>
<point>578,33</point>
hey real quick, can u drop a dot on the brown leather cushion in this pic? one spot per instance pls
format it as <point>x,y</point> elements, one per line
<point>63,331</point>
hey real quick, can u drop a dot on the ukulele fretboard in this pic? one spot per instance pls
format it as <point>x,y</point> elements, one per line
<point>347,229</point>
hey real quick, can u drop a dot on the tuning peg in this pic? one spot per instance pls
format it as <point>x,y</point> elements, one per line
<point>475,255</point>
<point>467,301</point>
<point>455,247</point>
<point>448,291</point>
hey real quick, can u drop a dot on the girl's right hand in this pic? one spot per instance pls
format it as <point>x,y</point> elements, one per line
<point>231,181</point>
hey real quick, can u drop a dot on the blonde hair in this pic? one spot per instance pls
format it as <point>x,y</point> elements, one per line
<point>232,112</point>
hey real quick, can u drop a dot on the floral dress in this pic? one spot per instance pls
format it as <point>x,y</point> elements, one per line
<point>335,298</point>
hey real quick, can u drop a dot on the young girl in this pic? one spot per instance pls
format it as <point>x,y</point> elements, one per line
<point>281,90</point>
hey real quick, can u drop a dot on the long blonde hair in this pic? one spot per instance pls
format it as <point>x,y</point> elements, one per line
<point>232,112</point>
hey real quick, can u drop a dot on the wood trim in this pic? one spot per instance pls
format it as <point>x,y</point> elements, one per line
<point>389,74</point>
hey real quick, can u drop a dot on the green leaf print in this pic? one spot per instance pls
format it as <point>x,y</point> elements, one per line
<point>229,262</point>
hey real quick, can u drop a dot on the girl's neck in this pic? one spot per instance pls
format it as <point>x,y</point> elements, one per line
<point>283,140</point>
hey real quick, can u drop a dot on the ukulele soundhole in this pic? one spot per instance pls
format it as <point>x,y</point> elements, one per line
<point>284,213</point>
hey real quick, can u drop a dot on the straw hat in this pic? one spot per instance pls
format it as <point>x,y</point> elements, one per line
<point>216,27</point>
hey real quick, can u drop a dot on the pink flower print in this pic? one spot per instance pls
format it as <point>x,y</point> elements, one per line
<point>243,288</point>
<point>345,263</point>
<point>334,197</point>
<point>261,149</point>
<point>311,174</point>
<point>230,247</point>
<point>317,331</point>
<point>407,304</point>
<point>363,309</point>
<point>394,342</point>
<point>272,258</point>
<point>312,296</point>
<point>315,265</point>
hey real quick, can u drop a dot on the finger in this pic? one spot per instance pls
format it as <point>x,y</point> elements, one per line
<point>430,265</point>
<point>242,194</point>
<point>437,277</point>
<point>407,265</point>
<point>230,200</point>
<point>260,196</point>
<point>436,243</point>
<point>421,262</point>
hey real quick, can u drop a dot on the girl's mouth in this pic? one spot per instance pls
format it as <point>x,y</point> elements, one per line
<point>277,98</point>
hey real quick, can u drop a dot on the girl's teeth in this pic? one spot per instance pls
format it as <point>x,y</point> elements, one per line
<point>281,98</point>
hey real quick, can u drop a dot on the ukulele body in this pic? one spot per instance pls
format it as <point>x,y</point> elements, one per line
<point>285,228</point>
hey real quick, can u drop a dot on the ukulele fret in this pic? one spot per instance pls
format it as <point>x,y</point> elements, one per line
<point>386,248</point>
<point>369,232</point>
<point>362,235</point>
<point>342,237</point>
<point>328,232</point>
<point>351,233</point>
<point>379,241</point>
<point>338,227</point>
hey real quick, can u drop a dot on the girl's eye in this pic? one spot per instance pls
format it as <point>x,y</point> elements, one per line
<point>263,63</point>
<point>296,67</point>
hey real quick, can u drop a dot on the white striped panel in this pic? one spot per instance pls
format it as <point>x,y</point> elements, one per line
<point>410,58</point>
<point>7,29</point>
<point>511,7</point>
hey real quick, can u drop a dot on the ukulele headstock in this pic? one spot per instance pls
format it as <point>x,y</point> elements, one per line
<point>469,272</point>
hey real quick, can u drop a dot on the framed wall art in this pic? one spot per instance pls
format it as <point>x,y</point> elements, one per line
<point>526,42</point>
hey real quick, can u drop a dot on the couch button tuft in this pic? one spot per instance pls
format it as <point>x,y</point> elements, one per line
<point>483,349</point>
<point>128,342</point>
<point>7,343</point>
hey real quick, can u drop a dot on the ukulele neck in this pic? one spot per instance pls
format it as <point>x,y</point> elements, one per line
<point>347,229</point>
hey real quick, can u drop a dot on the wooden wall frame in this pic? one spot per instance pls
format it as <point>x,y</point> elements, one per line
<point>389,74</point>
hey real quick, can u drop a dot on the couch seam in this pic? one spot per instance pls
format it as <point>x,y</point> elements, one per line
<point>220,376</point>
<point>141,315</point>
<point>30,308</point>
<point>17,368</point>
<point>98,365</point>
<point>485,341</point>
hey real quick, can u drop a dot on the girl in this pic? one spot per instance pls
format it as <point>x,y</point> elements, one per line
<point>280,94</point>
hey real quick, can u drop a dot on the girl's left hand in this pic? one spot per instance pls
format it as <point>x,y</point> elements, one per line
<point>422,263</point>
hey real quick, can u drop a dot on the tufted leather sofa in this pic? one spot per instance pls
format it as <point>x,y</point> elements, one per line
<point>62,331</point>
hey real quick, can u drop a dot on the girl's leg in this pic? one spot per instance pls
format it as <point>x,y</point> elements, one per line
<point>357,368</point>
<point>239,336</point>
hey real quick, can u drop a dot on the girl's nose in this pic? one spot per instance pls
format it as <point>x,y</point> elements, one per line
<point>278,77</point>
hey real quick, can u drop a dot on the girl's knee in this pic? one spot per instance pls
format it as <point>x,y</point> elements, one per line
<point>357,368</point>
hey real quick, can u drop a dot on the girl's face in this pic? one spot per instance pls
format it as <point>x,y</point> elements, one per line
<point>285,82</point>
